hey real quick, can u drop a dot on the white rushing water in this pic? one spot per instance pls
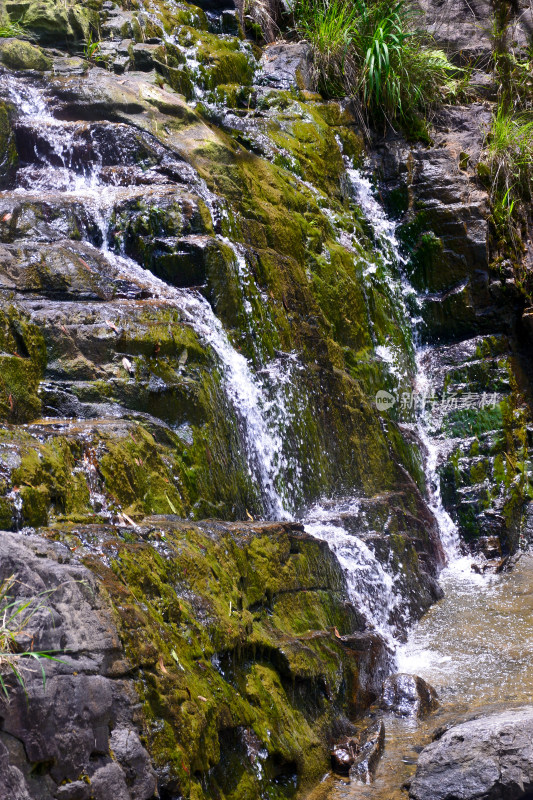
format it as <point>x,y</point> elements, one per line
<point>371,585</point>
<point>257,414</point>
<point>386,234</point>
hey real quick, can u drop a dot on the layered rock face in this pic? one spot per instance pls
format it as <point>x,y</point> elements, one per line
<point>195,318</point>
<point>471,324</point>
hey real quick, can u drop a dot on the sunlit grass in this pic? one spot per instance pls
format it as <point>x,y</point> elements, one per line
<point>373,51</point>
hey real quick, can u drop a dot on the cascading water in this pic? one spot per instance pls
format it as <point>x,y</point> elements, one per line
<point>263,400</point>
<point>373,586</point>
<point>386,236</point>
<point>370,587</point>
<point>59,172</point>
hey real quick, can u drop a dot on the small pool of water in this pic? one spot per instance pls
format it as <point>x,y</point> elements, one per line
<point>475,647</point>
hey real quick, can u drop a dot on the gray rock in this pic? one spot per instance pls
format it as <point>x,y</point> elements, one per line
<point>108,782</point>
<point>464,29</point>
<point>370,749</point>
<point>12,779</point>
<point>144,55</point>
<point>408,696</point>
<point>77,790</point>
<point>286,65</point>
<point>490,758</point>
<point>133,758</point>
<point>65,727</point>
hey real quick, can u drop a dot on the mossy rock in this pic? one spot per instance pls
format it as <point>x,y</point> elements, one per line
<point>54,21</point>
<point>21,55</point>
<point>35,503</point>
<point>8,151</point>
<point>22,361</point>
<point>221,60</point>
<point>214,667</point>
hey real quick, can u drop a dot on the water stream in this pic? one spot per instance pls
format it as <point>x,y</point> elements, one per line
<point>475,646</point>
<point>371,586</point>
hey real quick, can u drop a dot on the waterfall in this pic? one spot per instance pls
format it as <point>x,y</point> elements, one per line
<point>386,235</point>
<point>55,155</point>
<point>371,585</point>
<point>263,398</point>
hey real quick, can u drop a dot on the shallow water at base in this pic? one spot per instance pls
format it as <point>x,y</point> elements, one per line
<point>476,648</point>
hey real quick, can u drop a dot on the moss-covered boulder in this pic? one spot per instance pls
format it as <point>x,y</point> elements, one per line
<point>20,55</point>
<point>194,655</point>
<point>8,150</point>
<point>55,22</point>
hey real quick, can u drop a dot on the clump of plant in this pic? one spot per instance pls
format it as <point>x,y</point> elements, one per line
<point>509,162</point>
<point>11,30</point>
<point>92,50</point>
<point>16,639</point>
<point>259,19</point>
<point>372,50</point>
<point>330,27</point>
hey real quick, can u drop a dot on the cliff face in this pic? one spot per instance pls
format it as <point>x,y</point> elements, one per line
<point>195,318</point>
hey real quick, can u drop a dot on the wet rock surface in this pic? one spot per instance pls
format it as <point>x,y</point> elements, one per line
<point>370,748</point>
<point>286,66</point>
<point>486,758</point>
<point>147,647</point>
<point>408,696</point>
<point>470,311</point>
<point>358,756</point>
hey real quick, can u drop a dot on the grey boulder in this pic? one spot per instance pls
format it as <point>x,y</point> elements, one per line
<point>490,758</point>
<point>286,65</point>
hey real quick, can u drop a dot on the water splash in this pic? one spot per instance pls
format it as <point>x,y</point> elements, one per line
<point>371,588</point>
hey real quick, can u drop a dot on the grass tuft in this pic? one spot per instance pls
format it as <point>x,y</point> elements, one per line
<point>509,158</point>
<point>12,30</point>
<point>374,51</point>
<point>16,641</point>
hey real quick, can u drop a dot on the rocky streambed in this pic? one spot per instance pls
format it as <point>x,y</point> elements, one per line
<point>474,648</point>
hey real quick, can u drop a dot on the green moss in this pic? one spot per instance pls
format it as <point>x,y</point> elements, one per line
<point>135,474</point>
<point>214,666</point>
<point>231,95</point>
<point>221,60</point>
<point>55,21</point>
<point>22,360</point>
<point>474,421</point>
<point>21,55</point>
<point>35,503</point>
<point>8,152</point>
